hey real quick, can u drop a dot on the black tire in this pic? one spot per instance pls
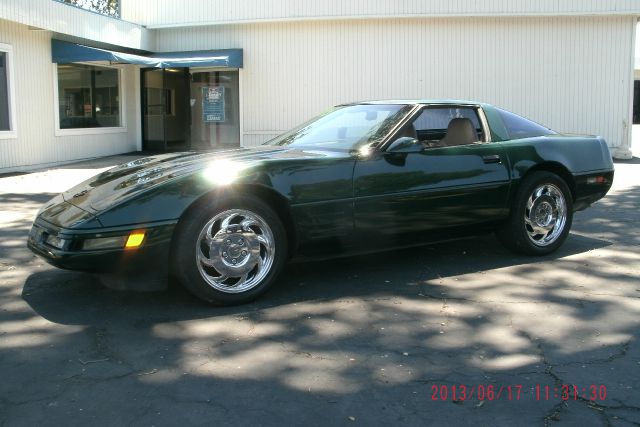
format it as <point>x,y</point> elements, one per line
<point>192,249</point>
<point>519,235</point>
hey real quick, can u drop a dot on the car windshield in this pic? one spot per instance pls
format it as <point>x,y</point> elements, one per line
<point>345,127</point>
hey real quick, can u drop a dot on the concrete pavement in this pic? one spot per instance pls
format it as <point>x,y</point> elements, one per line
<point>380,339</point>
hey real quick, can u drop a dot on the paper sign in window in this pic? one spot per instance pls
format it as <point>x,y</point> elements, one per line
<point>213,104</point>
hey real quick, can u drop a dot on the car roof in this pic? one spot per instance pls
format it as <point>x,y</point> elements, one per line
<point>420,101</point>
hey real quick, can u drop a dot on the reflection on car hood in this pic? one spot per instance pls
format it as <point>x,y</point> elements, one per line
<point>132,178</point>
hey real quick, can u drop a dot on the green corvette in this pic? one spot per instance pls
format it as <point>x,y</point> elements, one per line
<point>360,177</point>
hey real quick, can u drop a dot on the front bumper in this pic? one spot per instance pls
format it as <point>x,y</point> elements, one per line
<point>148,261</point>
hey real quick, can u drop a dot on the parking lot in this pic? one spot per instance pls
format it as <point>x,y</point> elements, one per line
<point>376,339</point>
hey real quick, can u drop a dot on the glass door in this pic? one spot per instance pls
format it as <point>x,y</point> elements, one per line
<point>215,121</point>
<point>166,115</point>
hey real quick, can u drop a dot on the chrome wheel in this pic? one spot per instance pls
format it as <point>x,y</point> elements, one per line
<point>545,215</point>
<point>235,251</point>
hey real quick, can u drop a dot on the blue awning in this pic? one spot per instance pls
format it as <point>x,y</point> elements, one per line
<point>64,53</point>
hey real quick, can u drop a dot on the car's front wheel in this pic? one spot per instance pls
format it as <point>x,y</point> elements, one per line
<point>541,215</point>
<point>230,250</point>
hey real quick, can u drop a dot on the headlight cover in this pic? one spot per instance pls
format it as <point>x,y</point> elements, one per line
<point>131,241</point>
<point>99,243</point>
<point>55,241</point>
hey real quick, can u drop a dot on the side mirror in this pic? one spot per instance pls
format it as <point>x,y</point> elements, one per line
<point>405,144</point>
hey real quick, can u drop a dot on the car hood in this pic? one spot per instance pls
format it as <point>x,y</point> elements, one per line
<point>130,179</point>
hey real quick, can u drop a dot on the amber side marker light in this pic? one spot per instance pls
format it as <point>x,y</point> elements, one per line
<point>134,240</point>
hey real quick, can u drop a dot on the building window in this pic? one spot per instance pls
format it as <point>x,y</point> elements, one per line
<point>5,122</point>
<point>636,102</point>
<point>88,96</point>
<point>103,7</point>
<point>7,101</point>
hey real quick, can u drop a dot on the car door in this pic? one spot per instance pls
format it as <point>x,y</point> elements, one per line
<point>445,184</point>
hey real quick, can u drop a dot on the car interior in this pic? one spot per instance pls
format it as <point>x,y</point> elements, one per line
<point>445,127</point>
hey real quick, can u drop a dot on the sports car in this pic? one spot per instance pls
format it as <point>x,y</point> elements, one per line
<point>360,177</point>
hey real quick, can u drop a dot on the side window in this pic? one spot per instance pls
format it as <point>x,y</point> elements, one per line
<point>519,127</point>
<point>433,123</point>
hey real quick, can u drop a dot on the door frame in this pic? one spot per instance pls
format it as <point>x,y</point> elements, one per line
<point>241,135</point>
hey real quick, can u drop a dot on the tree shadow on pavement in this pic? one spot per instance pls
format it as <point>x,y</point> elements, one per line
<point>365,337</point>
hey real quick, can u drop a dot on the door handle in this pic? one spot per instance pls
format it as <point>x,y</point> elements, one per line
<point>491,158</point>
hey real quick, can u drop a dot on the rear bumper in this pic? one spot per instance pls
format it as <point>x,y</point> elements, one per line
<point>591,187</point>
<point>124,268</point>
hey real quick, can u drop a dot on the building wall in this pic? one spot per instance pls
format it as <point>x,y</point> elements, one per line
<point>163,13</point>
<point>75,22</point>
<point>36,142</point>
<point>573,74</point>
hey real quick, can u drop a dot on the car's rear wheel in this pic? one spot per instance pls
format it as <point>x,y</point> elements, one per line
<point>540,217</point>
<point>229,250</point>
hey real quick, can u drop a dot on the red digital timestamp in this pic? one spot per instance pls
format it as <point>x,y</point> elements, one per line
<point>481,392</point>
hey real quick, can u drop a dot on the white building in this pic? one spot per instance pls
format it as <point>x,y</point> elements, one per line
<point>568,64</point>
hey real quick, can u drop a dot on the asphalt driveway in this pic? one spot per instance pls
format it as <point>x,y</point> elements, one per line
<point>381,339</point>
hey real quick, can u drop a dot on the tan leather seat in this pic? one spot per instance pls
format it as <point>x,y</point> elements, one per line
<point>460,132</point>
<point>408,130</point>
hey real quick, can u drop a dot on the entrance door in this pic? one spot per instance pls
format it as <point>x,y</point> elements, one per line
<point>215,121</point>
<point>166,112</point>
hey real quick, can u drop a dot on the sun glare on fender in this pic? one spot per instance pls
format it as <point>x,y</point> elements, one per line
<point>223,171</point>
